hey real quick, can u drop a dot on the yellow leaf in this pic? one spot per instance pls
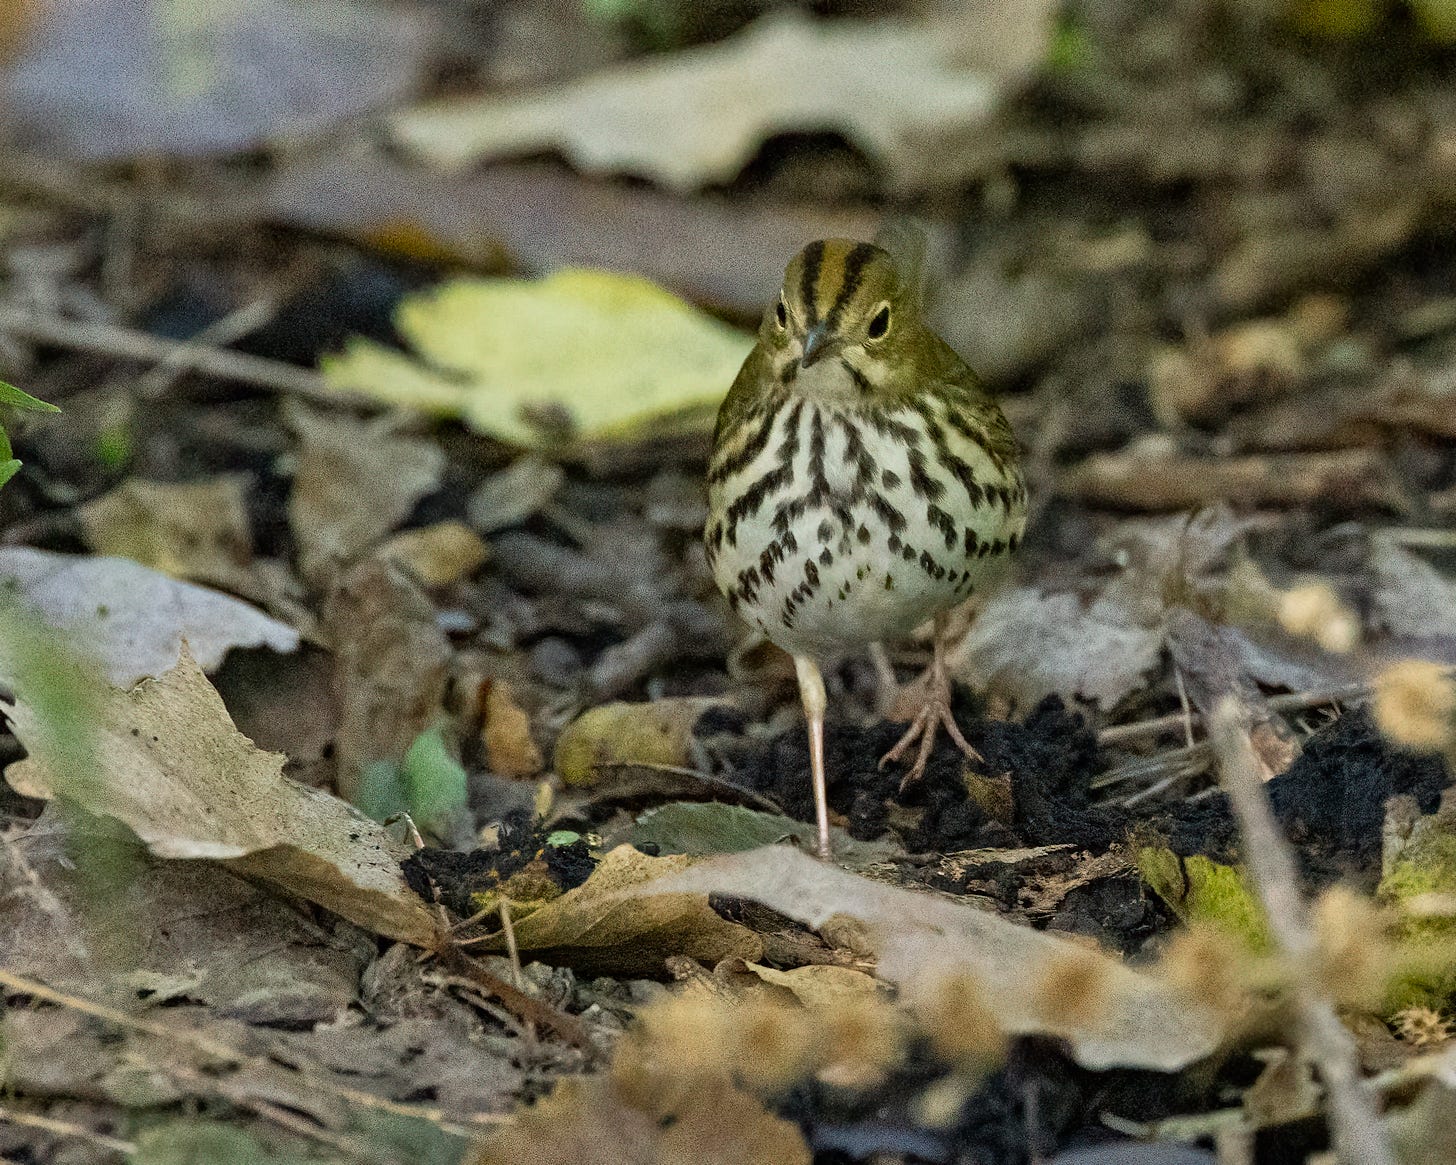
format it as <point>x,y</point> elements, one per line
<point>580,354</point>
<point>598,929</point>
<point>654,733</point>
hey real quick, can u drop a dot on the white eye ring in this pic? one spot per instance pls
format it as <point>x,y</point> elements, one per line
<point>781,313</point>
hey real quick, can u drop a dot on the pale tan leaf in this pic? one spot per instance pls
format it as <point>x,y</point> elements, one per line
<point>134,619</point>
<point>922,941</point>
<point>667,119</point>
<point>196,530</point>
<point>600,928</point>
<point>822,986</point>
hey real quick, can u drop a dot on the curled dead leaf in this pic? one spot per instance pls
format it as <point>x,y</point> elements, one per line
<point>185,781</point>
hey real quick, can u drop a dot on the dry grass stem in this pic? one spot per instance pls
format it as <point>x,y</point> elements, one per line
<point>1359,1135</point>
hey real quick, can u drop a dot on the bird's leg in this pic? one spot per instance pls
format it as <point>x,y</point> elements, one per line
<point>934,714</point>
<point>887,685</point>
<point>811,691</point>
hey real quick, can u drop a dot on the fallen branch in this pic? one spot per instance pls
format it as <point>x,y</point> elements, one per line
<point>176,355</point>
<point>1160,483</point>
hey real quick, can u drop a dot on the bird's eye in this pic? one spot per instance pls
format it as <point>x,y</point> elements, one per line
<point>781,313</point>
<point>880,324</point>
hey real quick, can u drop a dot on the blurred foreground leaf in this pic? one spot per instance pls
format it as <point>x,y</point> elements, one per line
<point>580,354</point>
<point>10,395</point>
<point>608,1121</point>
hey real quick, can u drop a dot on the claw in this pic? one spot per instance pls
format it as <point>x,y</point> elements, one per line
<point>934,714</point>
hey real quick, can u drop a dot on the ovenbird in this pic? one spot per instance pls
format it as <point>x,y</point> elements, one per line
<point>861,482</point>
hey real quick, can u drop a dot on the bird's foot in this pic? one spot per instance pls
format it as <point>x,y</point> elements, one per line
<point>934,713</point>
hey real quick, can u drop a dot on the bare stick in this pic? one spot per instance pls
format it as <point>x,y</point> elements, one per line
<point>1292,702</point>
<point>1359,1135</point>
<point>518,977</point>
<point>131,344</point>
<point>231,327</point>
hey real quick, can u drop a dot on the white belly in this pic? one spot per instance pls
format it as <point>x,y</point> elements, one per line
<point>847,543</point>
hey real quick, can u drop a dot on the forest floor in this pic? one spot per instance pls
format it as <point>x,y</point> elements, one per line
<point>1205,258</point>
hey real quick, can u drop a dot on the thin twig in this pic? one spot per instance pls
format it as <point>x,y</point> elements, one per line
<point>1358,1134</point>
<point>66,1129</point>
<point>243,321</point>
<point>568,1027</point>
<point>1291,702</point>
<point>130,344</point>
<point>1187,708</point>
<point>518,976</point>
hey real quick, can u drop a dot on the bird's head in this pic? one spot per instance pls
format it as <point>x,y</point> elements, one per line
<point>844,309</point>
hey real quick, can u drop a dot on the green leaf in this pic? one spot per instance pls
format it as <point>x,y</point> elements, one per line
<point>699,828</point>
<point>197,1142</point>
<point>8,469</point>
<point>10,395</point>
<point>406,1140</point>
<point>381,792</point>
<point>434,782</point>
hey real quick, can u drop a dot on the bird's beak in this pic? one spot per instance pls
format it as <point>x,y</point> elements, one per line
<point>816,345</point>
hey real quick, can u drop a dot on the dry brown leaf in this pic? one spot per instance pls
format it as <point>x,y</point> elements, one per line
<point>169,931</point>
<point>391,666</point>
<point>183,779</point>
<point>602,927</point>
<point>665,118</point>
<point>604,1121</point>
<point>921,940</point>
<point>628,734</point>
<point>437,555</point>
<point>728,253</point>
<point>509,749</point>
<point>356,481</point>
<point>196,530</point>
<point>134,620</point>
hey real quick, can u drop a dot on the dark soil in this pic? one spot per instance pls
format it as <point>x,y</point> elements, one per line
<point>1331,803</point>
